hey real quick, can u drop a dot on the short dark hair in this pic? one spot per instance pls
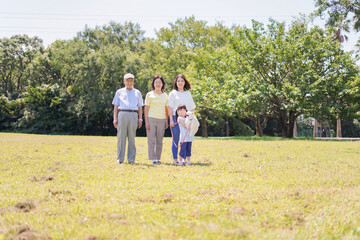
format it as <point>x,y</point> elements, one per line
<point>162,80</point>
<point>187,85</point>
<point>181,106</point>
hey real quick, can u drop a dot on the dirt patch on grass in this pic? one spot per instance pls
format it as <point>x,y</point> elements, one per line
<point>92,237</point>
<point>26,233</point>
<point>146,200</point>
<point>237,211</point>
<point>198,214</point>
<point>62,195</point>
<point>25,206</point>
<point>54,169</point>
<point>297,195</point>
<point>268,225</point>
<point>53,192</point>
<point>168,197</point>
<point>117,217</point>
<point>237,234</point>
<point>205,174</point>
<point>208,192</point>
<point>206,160</point>
<point>3,210</point>
<point>295,218</point>
<point>44,178</point>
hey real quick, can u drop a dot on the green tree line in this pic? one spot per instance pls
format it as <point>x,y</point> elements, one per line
<point>244,79</point>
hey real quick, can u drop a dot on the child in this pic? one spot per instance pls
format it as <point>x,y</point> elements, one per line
<point>186,138</point>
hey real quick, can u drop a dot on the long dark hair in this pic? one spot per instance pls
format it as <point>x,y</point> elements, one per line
<point>181,106</point>
<point>187,85</point>
<point>162,80</point>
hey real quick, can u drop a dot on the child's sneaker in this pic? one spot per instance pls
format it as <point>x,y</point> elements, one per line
<point>188,163</point>
<point>176,162</point>
<point>154,161</point>
<point>181,163</point>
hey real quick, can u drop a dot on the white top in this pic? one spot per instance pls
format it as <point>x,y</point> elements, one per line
<point>177,98</point>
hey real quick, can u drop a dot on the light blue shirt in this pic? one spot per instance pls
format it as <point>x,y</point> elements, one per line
<point>128,99</point>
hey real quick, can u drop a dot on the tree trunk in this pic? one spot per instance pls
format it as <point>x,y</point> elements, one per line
<point>338,128</point>
<point>315,131</point>
<point>290,127</point>
<point>287,123</point>
<point>283,123</point>
<point>203,124</point>
<point>19,77</point>
<point>258,127</point>
<point>295,130</point>
<point>227,126</point>
<point>322,129</point>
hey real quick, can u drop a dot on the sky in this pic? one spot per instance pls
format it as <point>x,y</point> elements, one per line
<point>53,20</point>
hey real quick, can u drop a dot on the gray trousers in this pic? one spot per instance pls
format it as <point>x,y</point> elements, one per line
<point>155,137</point>
<point>127,124</point>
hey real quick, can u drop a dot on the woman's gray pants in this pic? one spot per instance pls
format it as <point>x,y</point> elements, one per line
<point>155,137</point>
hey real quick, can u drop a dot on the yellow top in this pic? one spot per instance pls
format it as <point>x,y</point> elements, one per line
<point>157,104</point>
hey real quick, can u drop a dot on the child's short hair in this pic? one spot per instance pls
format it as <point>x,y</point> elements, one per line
<point>181,106</point>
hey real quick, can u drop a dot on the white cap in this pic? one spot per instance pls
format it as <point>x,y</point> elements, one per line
<point>129,75</point>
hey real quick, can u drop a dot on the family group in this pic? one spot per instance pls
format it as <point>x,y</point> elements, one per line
<point>159,109</point>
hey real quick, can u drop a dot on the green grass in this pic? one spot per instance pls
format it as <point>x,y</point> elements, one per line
<point>69,187</point>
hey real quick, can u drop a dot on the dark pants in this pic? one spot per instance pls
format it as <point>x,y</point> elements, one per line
<point>185,150</point>
<point>176,135</point>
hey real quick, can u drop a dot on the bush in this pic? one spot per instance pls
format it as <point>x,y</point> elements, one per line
<point>217,127</point>
<point>350,128</point>
<point>239,128</point>
<point>10,113</point>
<point>45,111</point>
<point>5,122</point>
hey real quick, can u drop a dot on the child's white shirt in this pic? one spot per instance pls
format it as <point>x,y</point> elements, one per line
<point>189,137</point>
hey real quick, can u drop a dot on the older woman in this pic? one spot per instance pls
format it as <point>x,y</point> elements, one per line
<point>180,95</point>
<point>156,118</point>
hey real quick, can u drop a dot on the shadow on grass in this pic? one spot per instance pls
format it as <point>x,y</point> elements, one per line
<point>175,165</point>
<point>201,164</point>
<point>268,138</point>
<point>143,164</point>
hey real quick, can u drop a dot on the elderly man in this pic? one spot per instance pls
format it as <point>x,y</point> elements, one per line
<point>128,104</point>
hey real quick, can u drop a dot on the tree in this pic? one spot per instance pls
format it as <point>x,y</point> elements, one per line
<point>127,36</point>
<point>114,50</point>
<point>182,44</point>
<point>341,13</point>
<point>218,83</point>
<point>16,54</point>
<point>59,63</point>
<point>292,68</point>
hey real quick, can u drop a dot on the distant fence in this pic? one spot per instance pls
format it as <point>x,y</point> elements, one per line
<point>309,133</point>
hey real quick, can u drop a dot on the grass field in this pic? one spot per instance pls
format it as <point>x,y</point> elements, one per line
<point>70,187</point>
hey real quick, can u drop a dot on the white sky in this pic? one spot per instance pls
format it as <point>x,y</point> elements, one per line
<point>55,19</point>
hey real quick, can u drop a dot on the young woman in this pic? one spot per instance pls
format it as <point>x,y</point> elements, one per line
<point>180,95</point>
<point>156,118</point>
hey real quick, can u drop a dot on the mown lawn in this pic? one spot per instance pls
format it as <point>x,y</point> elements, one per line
<point>70,187</point>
